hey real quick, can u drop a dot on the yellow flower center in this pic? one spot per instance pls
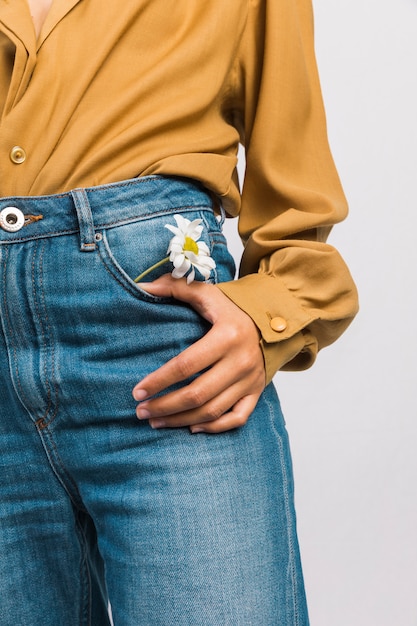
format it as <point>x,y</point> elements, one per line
<point>190,245</point>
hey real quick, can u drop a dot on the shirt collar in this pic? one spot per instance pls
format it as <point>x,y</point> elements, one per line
<point>58,11</point>
<point>15,17</point>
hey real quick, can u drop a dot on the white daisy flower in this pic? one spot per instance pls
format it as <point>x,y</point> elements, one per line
<point>186,252</point>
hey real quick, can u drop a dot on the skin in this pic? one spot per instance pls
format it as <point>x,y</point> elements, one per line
<point>39,9</point>
<point>223,396</point>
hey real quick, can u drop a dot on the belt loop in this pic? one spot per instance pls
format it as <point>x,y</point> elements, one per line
<point>85,220</point>
<point>222,215</point>
<point>218,208</point>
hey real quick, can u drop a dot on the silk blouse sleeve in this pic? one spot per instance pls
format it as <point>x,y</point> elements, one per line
<point>295,286</point>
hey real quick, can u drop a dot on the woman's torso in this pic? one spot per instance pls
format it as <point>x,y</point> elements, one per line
<point>109,91</point>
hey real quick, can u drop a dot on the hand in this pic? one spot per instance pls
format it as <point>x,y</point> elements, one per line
<point>223,396</point>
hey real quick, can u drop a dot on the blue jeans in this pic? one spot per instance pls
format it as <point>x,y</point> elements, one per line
<point>95,506</point>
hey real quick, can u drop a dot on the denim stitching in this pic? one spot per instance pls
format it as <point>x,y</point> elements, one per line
<point>214,275</point>
<point>53,233</point>
<point>109,262</point>
<point>288,517</point>
<point>24,399</point>
<point>53,385</point>
<point>159,213</point>
<point>19,387</point>
<point>110,186</point>
<point>63,476</point>
<point>41,325</point>
<point>116,222</point>
<point>52,388</point>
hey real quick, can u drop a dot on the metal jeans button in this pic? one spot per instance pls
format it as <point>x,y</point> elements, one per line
<point>11,219</point>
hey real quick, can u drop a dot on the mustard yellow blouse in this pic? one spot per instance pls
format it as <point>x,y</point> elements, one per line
<point>114,90</point>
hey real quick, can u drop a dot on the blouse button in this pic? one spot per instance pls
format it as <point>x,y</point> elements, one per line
<point>11,219</point>
<point>17,155</point>
<point>278,324</point>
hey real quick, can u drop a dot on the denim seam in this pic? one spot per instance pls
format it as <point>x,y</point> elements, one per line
<point>51,388</point>
<point>85,219</point>
<point>111,266</point>
<point>288,517</point>
<point>63,476</point>
<point>51,408</point>
<point>54,233</point>
<point>212,242</point>
<point>115,222</point>
<point>19,388</point>
<point>14,364</point>
<point>119,185</point>
<point>169,210</point>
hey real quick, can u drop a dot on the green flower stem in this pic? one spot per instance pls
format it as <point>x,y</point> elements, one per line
<point>150,269</point>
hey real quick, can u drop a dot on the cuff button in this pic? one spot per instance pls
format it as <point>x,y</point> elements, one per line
<point>278,324</point>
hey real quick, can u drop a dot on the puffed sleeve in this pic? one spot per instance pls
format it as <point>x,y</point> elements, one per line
<point>296,288</point>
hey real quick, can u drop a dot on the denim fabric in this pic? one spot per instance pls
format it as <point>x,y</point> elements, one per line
<point>172,528</point>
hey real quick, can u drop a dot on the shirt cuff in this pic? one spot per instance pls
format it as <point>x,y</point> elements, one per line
<point>280,319</point>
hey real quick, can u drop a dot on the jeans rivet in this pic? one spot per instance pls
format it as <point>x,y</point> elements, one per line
<point>41,424</point>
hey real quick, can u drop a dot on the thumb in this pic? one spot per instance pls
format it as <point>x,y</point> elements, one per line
<point>167,286</point>
<point>162,286</point>
<point>197,294</point>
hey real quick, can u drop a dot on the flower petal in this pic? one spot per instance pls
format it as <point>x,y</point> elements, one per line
<point>191,276</point>
<point>178,272</point>
<point>183,259</point>
<point>179,260</point>
<point>182,222</point>
<point>176,231</point>
<point>203,248</point>
<point>183,267</point>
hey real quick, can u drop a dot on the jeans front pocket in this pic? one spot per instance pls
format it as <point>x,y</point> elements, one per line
<point>128,249</point>
<point>225,265</point>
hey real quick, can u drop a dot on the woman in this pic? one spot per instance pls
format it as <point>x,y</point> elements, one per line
<point>117,122</point>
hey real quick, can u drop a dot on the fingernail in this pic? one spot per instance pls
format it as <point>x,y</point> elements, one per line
<point>197,429</point>
<point>143,414</point>
<point>140,394</point>
<point>157,424</point>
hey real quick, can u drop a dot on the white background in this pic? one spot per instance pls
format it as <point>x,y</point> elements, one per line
<point>352,418</point>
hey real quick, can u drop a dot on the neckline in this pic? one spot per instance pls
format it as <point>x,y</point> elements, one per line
<point>39,17</point>
<point>16,18</point>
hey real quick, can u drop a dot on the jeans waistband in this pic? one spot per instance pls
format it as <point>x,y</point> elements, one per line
<point>86,209</point>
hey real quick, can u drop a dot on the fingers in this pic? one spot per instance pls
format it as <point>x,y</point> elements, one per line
<point>216,401</point>
<point>201,355</point>
<point>223,344</point>
<point>235,418</point>
<point>224,366</point>
<point>218,415</point>
<point>205,298</point>
<point>229,355</point>
<point>207,397</point>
